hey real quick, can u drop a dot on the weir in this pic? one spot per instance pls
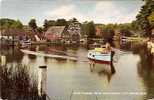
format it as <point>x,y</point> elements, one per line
<point>48,55</point>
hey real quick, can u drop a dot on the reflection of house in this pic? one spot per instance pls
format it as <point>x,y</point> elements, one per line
<point>54,33</point>
<point>73,33</point>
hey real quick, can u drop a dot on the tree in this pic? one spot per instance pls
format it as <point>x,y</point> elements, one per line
<point>151,19</point>
<point>108,34</point>
<point>84,29</point>
<point>45,25</point>
<point>17,24</point>
<point>33,24</point>
<point>91,29</point>
<point>40,29</point>
<point>48,23</point>
<point>8,25</point>
<point>61,22</point>
<point>126,32</point>
<point>142,18</point>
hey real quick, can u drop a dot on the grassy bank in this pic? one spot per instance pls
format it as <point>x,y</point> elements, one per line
<point>17,84</point>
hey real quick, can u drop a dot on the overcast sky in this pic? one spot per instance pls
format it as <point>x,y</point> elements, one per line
<point>100,11</point>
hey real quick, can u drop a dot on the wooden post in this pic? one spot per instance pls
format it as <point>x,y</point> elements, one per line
<point>3,60</point>
<point>0,84</point>
<point>42,79</point>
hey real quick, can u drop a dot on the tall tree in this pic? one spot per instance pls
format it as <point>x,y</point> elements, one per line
<point>142,18</point>
<point>45,25</point>
<point>33,24</point>
<point>91,29</point>
<point>108,33</point>
<point>7,25</point>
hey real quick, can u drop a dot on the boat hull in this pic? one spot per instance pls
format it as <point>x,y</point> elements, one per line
<point>99,61</point>
<point>99,57</point>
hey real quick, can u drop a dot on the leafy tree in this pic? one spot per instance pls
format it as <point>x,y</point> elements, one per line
<point>108,33</point>
<point>142,18</point>
<point>17,24</point>
<point>48,23</point>
<point>45,25</point>
<point>61,22</point>
<point>84,29</point>
<point>126,32</point>
<point>33,24</point>
<point>40,30</point>
<point>8,25</point>
<point>91,32</point>
<point>88,29</point>
<point>134,26</point>
<point>151,19</point>
<point>73,20</point>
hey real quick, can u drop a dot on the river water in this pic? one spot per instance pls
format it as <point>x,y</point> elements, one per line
<point>130,77</point>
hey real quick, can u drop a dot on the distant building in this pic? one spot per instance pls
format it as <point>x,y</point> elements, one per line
<point>72,33</point>
<point>98,31</point>
<point>54,33</point>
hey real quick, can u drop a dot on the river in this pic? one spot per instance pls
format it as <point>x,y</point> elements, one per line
<point>131,77</point>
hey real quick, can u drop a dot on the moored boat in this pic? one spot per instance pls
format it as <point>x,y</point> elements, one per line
<point>24,44</point>
<point>98,56</point>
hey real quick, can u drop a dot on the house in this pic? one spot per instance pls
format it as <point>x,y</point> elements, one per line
<point>54,33</point>
<point>72,33</point>
<point>98,31</point>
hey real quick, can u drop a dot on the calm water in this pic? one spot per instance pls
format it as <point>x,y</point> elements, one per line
<point>132,71</point>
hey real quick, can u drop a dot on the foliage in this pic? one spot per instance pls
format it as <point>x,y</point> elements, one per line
<point>108,32</point>
<point>151,19</point>
<point>32,24</point>
<point>126,32</point>
<point>40,30</point>
<point>6,23</point>
<point>144,17</point>
<point>88,28</point>
<point>58,22</point>
<point>61,22</point>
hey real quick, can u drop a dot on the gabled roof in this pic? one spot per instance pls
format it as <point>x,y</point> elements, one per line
<point>55,30</point>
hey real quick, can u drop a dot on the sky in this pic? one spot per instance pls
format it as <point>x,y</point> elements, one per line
<point>99,11</point>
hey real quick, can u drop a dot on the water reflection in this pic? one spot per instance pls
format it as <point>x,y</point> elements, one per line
<point>103,70</point>
<point>146,69</point>
<point>65,75</point>
<point>12,54</point>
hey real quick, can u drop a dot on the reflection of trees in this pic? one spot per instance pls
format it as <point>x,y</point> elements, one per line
<point>147,74</point>
<point>146,69</point>
<point>12,54</point>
